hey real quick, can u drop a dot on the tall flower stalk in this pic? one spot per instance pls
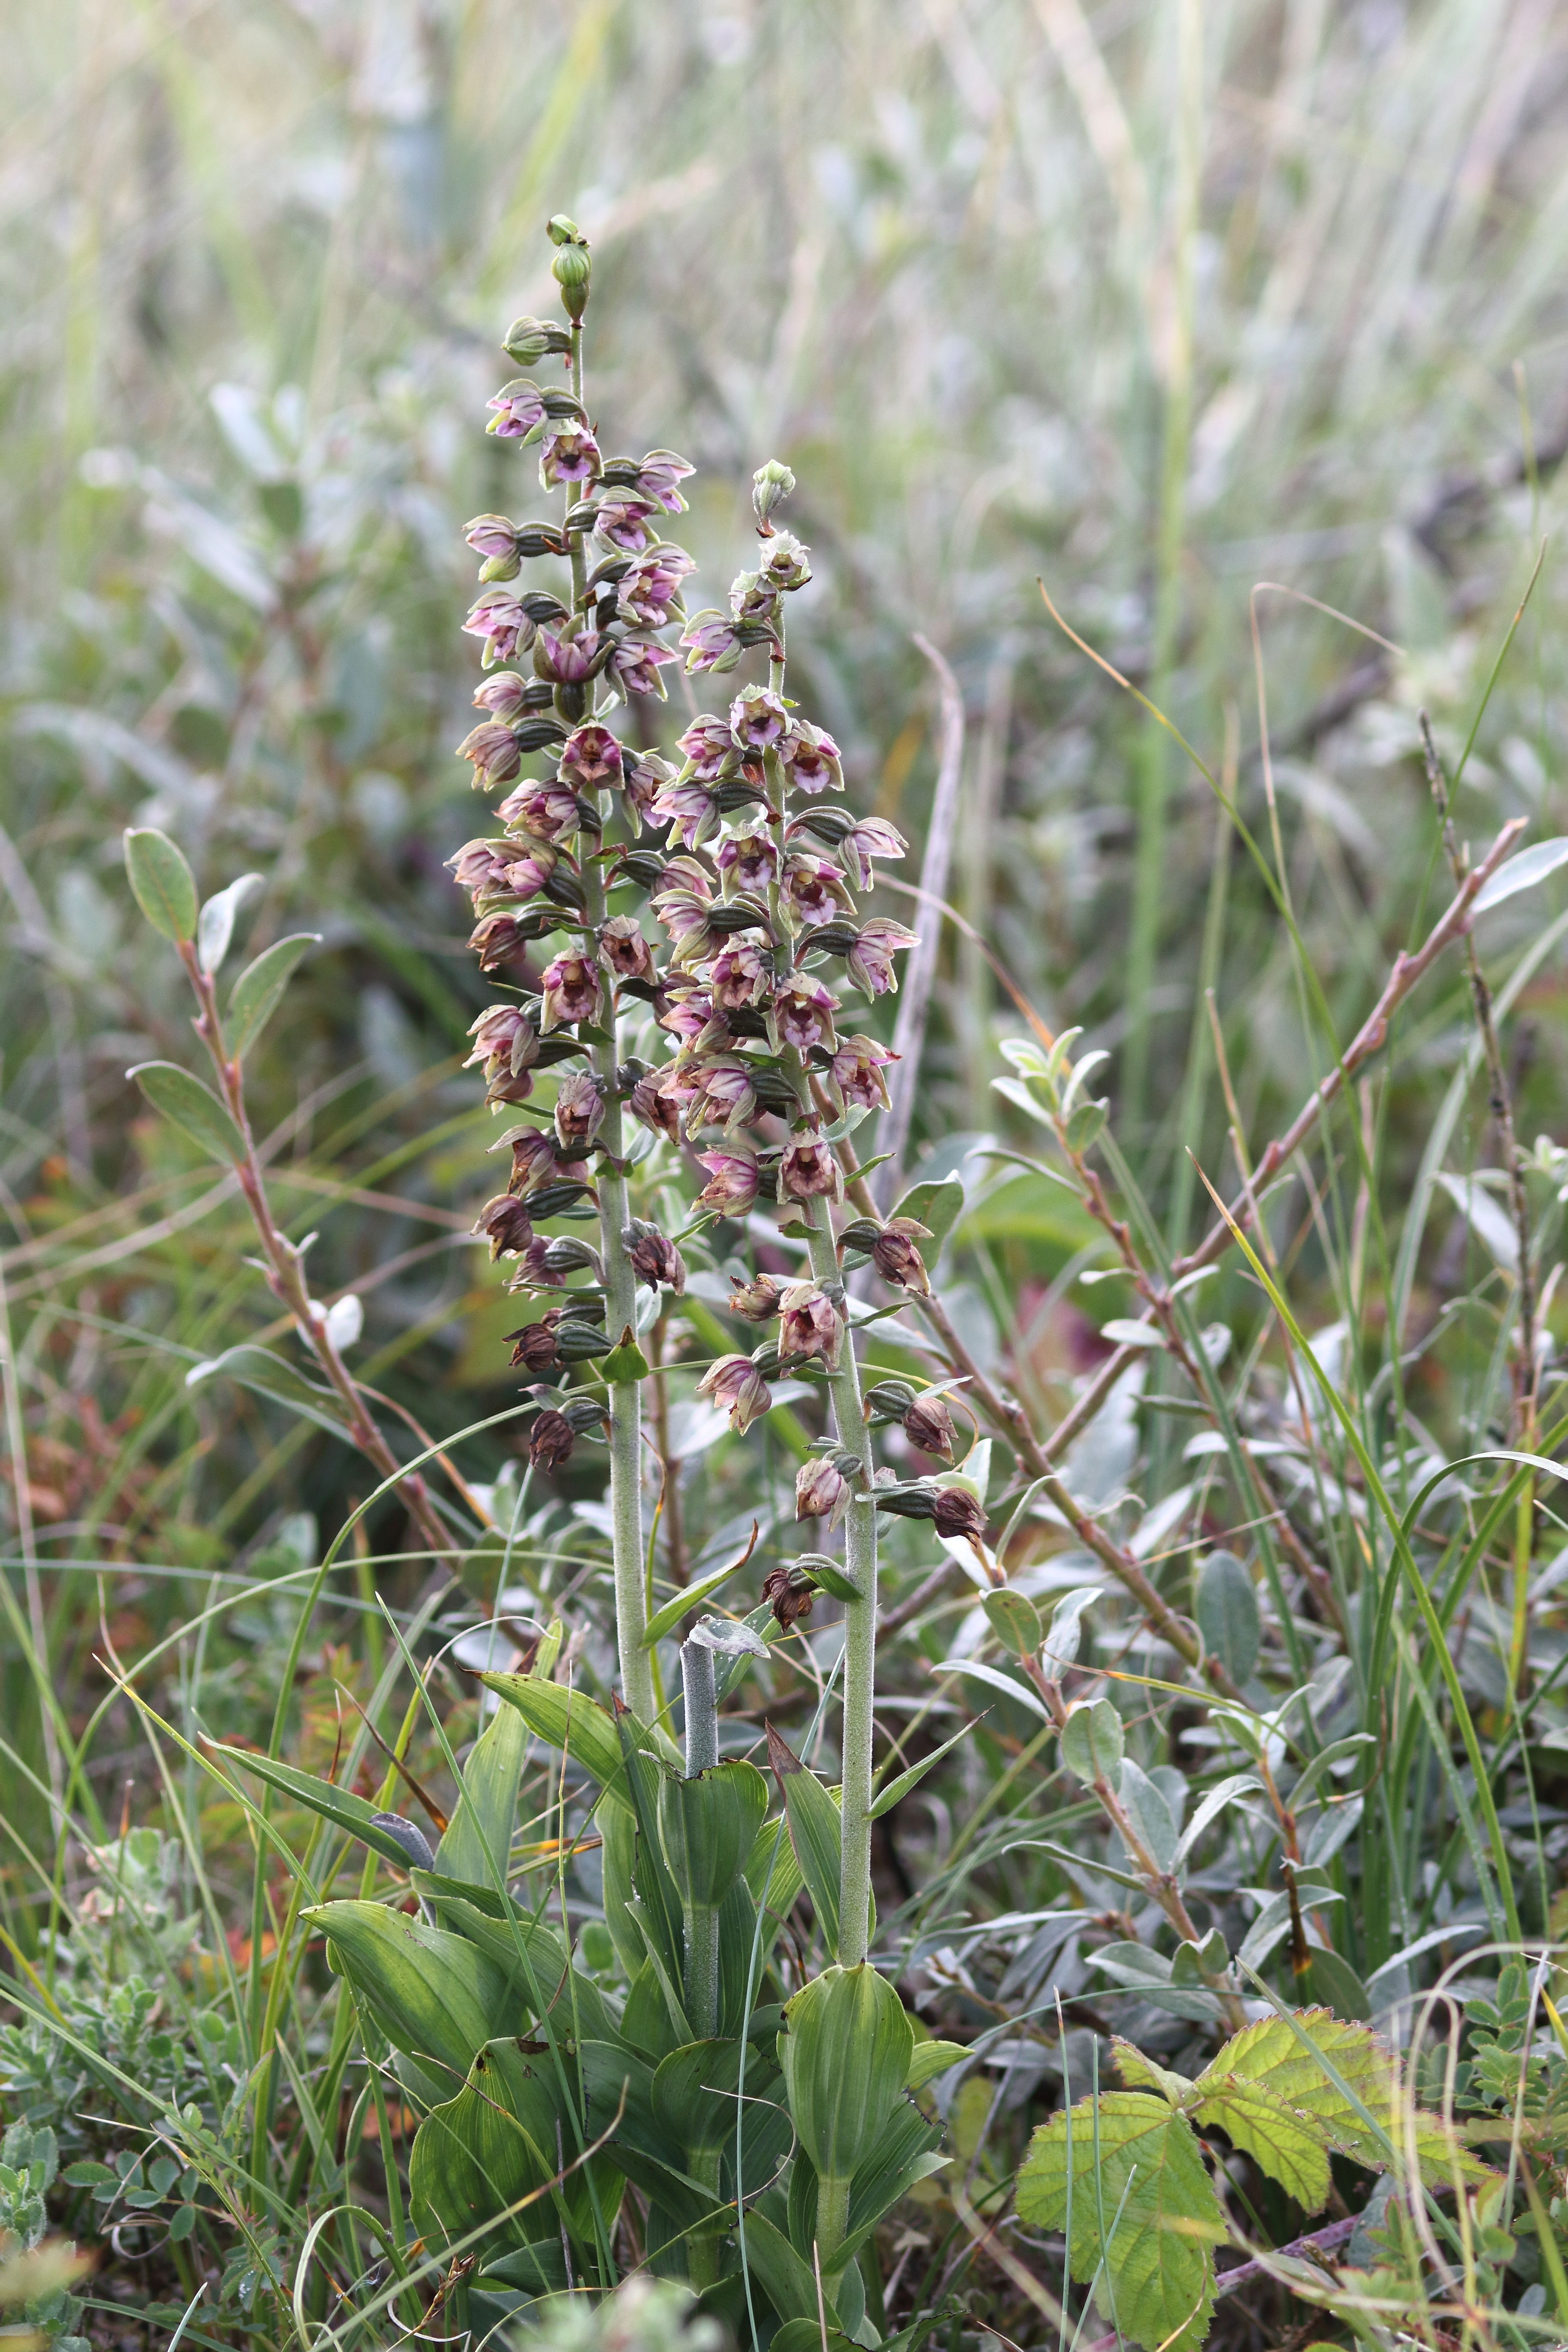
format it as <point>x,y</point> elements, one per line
<point>746,858</point>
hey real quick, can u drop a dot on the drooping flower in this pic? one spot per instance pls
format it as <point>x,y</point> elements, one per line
<point>533,1158</point>
<point>808,1170</point>
<point>870,961</point>
<point>649,593</point>
<point>688,810</point>
<point>872,837</point>
<point>802,1015</point>
<point>749,859</point>
<point>480,867</point>
<point>497,616</point>
<point>821,1491</point>
<point>720,1094</point>
<point>591,755</point>
<point>494,750</point>
<point>734,1180</point>
<point>758,719</point>
<point>653,1109</point>
<point>789,1593</point>
<point>625,949</point>
<point>637,663</point>
<point>642,779</point>
<point>565,655</point>
<point>710,642</point>
<point>551,1440</point>
<point>569,990</point>
<point>957,1513</point>
<point>568,453</point>
<point>505,1225</point>
<point>808,1323</point>
<point>855,1076</point>
<point>497,939</point>
<point>493,538</point>
<point>579,1109</point>
<point>548,811</point>
<point>505,696</point>
<point>623,522</point>
<point>505,1041</point>
<point>516,408</point>
<point>734,1384</point>
<point>706,744</point>
<point>896,1257</point>
<point>740,974</point>
<point>928,1423</point>
<point>814,889</point>
<point>812,760</point>
<point>657,477</point>
<point>654,1258</point>
<point>756,1301</point>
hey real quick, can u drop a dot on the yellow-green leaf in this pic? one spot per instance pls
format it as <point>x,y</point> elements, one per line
<point>1152,2176</point>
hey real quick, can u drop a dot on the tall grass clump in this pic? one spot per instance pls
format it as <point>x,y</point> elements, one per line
<point>815,1598</point>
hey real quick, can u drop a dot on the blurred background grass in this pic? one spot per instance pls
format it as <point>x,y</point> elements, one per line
<point>1154,301</point>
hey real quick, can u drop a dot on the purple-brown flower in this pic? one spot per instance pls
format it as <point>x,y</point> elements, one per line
<point>568,453</point>
<point>592,755</point>
<point>551,1440</point>
<point>653,1109</point>
<point>654,1258</point>
<point>749,859</point>
<point>756,1301</point>
<point>710,642</point>
<point>516,408</point>
<point>625,949</point>
<point>643,777</point>
<point>569,990</point>
<point>718,1093</point>
<point>758,719</point>
<point>872,837</point>
<point>855,1076</point>
<point>706,743</point>
<point>734,1384</point>
<point>731,1186</point>
<point>497,615</point>
<point>504,1223</point>
<point>802,1015</point>
<point>812,760</point>
<point>579,1109</point>
<point>814,890</point>
<point>821,1491</point>
<point>622,520</point>
<point>870,961</point>
<point>657,477</point>
<point>958,1513</point>
<point>493,749</point>
<point>789,1593</point>
<point>505,696</point>
<point>636,664</point>
<point>649,593</point>
<point>505,1041</point>
<point>497,939</point>
<point>740,974</point>
<point>808,1170</point>
<point>689,811</point>
<point>928,1423</point>
<point>493,538</point>
<point>565,657</point>
<point>549,811</point>
<point>533,1152</point>
<point>896,1258</point>
<point>808,1323</point>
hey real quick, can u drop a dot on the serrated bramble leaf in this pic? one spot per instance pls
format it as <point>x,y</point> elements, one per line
<point>1151,2173</point>
<point>1141,2074</point>
<point>1290,2146</point>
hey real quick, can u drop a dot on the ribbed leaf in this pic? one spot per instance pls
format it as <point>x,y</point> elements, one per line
<point>846,2054</point>
<point>494,2146</point>
<point>708,1826</point>
<point>339,1806</point>
<point>1151,2173</point>
<point>567,1719</point>
<point>480,1838</point>
<point>434,1995</point>
<point>816,1833</point>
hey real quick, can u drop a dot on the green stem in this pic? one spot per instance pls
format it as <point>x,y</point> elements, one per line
<point>860,1630</point>
<point>832,2216</point>
<point>701,1976</point>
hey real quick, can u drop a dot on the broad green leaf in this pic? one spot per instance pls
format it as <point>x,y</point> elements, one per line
<point>567,1719</point>
<point>846,2054</point>
<point>659,1913</point>
<point>936,1206</point>
<point>436,1995</point>
<point>215,925</point>
<point>256,993</point>
<point>815,1831</point>
<point>931,2059</point>
<point>806,2336</point>
<point>708,1826</point>
<point>339,1806</point>
<point>1092,1743</point>
<point>787,2282</point>
<point>1152,2176</point>
<point>162,883</point>
<point>1225,1606</point>
<point>479,1840</point>
<point>194,1109</point>
<point>694,2092</point>
<point>529,1951</point>
<point>494,2146</point>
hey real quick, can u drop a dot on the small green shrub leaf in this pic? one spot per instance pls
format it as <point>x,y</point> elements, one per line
<point>161,882</point>
<point>1226,1605</point>
<point>1092,1743</point>
<point>215,926</point>
<point>194,1109</point>
<point>256,993</point>
<point>1149,1814</point>
<point>1015,1620</point>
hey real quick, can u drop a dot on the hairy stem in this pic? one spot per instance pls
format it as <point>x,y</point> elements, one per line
<point>860,1626</point>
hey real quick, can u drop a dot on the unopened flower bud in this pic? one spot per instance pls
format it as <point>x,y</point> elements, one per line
<point>734,1384</point>
<point>756,1301</point>
<point>493,749</point>
<point>506,1225</point>
<point>579,1109</point>
<point>547,1261</point>
<point>572,269</point>
<point>957,1513</point>
<point>896,1258</point>
<point>821,1491</point>
<point>928,1423</point>
<point>528,341</point>
<point>653,1257</point>
<point>790,1593</point>
<point>771,485</point>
